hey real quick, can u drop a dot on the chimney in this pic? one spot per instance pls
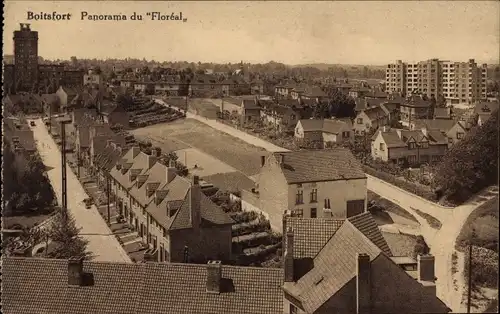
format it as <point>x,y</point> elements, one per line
<point>151,161</point>
<point>425,268</point>
<point>363,284</point>
<point>426,276</point>
<point>281,159</point>
<point>160,196</point>
<point>171,171</point>
<point>186,255</point>
<point>151,188</point>
<point>135,151</point>
<point>141,179</point>
<point>214,276</point>
<point>194,202</point>
<point>75,271</point>
<point>262,161</point>
<point>327,210</point>
<point>288,258</point>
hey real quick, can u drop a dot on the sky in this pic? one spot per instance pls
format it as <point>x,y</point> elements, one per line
<point>341,32</point>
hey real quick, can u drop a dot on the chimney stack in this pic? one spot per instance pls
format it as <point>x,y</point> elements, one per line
<point>151,161</point>
<point>288,258</point>
<point>262,161</point>
<point>425,267</point>
<point>194,202</point>
<point>363,284</point>
<point>171,171</point>
<point>135,151</point>
<point>327,210</point>
<point>214,276</point>
<point>281,159</point>
<point>75,271</point>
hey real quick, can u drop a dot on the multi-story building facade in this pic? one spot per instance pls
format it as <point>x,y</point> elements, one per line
<point>457,82</point>
<point>336,188</point>
<point>26,57</point>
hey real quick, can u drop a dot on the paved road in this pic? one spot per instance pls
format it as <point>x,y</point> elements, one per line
<point>102,243</point>
<point>441,242</point>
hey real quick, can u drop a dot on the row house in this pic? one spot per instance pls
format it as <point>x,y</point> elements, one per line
<point>324,132</point>
<point>311,183</point>
<point>284,90</point>
<point>144,87</point>
<point>329,267</point>
<point>454,130</point>
<point>359,92</point>
<point>235,85</point>
<point>408,147</point>
<point>250,111</point>
<point>203,85</point>
<point>308,92</point>
<point>167,88</point>
<point>369,119</point>
<point>169,212</point>
<point>281,117</point>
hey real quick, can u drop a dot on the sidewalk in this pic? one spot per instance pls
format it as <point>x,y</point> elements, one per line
<point>102,243</point>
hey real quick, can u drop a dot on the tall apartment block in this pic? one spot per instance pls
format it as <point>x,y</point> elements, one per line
<point>26,57</point>
<point>458,82</point>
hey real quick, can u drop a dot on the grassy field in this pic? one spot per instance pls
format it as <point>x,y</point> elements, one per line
<point>390,206</point>
<point>433,222</point>
<point>484,220</point>
<point>203,107</point>
<point>191,133</point>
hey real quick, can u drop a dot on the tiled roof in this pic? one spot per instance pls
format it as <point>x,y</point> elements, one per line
<point>375,113</point>
<point>334,267</point>
<point>392,139</point>
<point>26,139</point>
<point>377,94</point>
<point>33,285</point>
<point>442,125</point>
<point>323,125</point>
<point>156,174</point>
<point>320,165</point>
<point>314,91</point>
<point>311,234</point>
<point>366,224</point>
<point>442,113</point>
<point>437,138</point>
<point>389,107</point>
<point>250,104</point>
<point>211,214</point>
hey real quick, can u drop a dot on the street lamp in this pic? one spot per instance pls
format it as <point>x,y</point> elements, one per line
<point>63,121</point>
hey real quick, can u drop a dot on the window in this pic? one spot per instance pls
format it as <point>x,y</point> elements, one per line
<point>460,135</point>
<point>293,309</point>
<point>346,134</point>
<point>360,120</point>
<point>411,145</point>
<point>298,213</point>
<point>292,117</point>
<point>299,198</point>
<point>424,144</point>
<point>314,196</point>
<point>314,213</point>
<point>382,146</point>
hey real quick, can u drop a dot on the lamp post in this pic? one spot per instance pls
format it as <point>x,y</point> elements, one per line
<point>63,121</point>
<point>469,293</point>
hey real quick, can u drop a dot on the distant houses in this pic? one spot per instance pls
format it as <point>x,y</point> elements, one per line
<point>324,132</point>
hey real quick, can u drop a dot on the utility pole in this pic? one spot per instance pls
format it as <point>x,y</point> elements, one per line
<point>63,168</point>
<point>469,294</point>
<point>108,188</point>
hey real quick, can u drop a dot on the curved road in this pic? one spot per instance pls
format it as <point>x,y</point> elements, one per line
<point>441,242</point>
<point>102,243</point>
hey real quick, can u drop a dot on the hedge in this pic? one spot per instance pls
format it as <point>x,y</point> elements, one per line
<point>405,185</point>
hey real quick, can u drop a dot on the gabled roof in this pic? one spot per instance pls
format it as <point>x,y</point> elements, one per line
<point>311,234</point>
<point>375,113</point>
<point>323,125</point>
<point>366,224</point>
<point>334,267</point>
<point>155,174</point>
<point>33,285</point>
<point>320,165</point>
<point>250,104</point>
<point>211,214</point>
<point>314,91</point>
<point>442,125</point>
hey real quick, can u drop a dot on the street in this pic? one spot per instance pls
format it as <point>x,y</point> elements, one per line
<point>102,243</point>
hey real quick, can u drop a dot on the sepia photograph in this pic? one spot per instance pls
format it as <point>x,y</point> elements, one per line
<point>250,157</point>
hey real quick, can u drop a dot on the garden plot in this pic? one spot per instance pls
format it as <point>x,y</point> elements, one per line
<point>202,164</point>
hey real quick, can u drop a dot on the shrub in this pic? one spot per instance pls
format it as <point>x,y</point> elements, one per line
<point>405,185</point>
<point>421,247</point>
<point>484,267</point>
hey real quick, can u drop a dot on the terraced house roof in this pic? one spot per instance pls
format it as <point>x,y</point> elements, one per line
<point>319,165</point>
<point>33,285</point>
<point>323,125</point>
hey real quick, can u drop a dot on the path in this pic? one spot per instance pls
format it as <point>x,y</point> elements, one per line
<point>102,243</point>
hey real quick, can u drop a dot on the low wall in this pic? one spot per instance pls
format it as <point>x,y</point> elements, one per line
<point>249,202</point>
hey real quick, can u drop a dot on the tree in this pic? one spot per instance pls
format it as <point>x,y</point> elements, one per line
<point>471,164</point>
<point>65,234</point>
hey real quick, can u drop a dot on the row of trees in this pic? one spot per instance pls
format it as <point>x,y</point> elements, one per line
<point>27,189</point>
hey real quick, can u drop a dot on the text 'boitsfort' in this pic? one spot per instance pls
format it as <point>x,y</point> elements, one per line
<point>84,15</point>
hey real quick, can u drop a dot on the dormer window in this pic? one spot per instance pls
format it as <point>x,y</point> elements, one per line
<point>411,145</point>
<point>424,144</point>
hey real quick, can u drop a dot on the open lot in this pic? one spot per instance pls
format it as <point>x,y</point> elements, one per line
<point>191,133</point>
<point>202,164</point>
